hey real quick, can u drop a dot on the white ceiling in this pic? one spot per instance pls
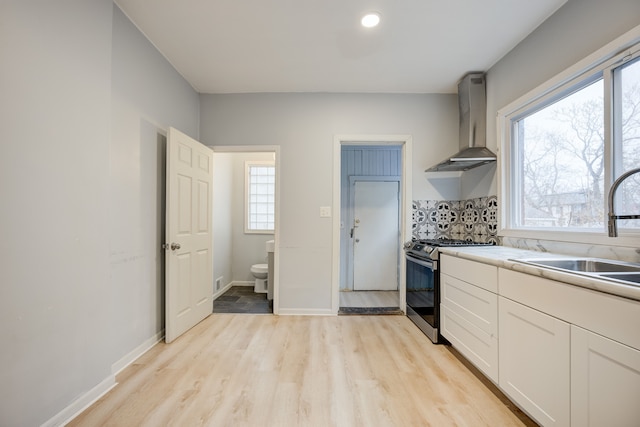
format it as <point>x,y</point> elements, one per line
<point>421,46</point>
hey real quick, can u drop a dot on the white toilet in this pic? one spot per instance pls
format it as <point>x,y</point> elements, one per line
<point>260,272</point>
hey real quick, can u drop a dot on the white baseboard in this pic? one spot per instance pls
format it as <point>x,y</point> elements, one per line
<point>222,290</point>
<point>243,283</point>
<point>83,402</point>
<point>89,398</point>
<point>131,357</point>
<point>306,312</point>
<point>226,287</point>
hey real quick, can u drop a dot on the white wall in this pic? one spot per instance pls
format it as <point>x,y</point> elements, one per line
<point>80,178</point>
<point>222,217</point>
<point>576,30</point>
<point>304,126</point>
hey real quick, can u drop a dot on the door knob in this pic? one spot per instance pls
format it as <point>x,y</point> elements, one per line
<point>357,240</point>
<point>175,246</point>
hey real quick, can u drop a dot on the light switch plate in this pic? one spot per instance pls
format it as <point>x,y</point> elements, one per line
<point>325,211</point>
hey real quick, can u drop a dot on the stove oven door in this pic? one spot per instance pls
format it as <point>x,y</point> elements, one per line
<point>423,295</point>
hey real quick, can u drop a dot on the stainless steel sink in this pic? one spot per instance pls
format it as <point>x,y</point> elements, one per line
<point>619,271</point>
<point>624,277</point>
<point>585,265</point>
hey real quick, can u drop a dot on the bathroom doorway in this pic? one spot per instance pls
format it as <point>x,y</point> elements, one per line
<point>369,167</point>
<point>243,244</point>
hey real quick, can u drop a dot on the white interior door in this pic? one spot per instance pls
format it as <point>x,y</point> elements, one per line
<point>189,258</point>
<point>375,236</point>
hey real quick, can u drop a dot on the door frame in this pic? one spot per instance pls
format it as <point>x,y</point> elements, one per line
<point>350,217</point>
<point>276,235</point>
<point>406,144</point>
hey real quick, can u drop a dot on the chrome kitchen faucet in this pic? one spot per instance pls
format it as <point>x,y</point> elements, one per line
<point>613,227</point>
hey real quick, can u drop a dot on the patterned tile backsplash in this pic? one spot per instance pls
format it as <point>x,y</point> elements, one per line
<point>475,219</point>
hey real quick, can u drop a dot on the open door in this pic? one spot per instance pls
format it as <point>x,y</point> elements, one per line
<point>189,258</point>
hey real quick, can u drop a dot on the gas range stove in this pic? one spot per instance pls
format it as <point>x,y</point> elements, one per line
<point>428,248</point>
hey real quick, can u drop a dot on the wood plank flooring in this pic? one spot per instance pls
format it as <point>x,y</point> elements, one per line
<point>256,370</point>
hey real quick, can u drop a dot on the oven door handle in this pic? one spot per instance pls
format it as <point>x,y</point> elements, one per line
<point>428,264</point>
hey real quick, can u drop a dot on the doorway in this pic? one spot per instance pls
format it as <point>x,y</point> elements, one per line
<point>238,243</point>
<point>372,188</point>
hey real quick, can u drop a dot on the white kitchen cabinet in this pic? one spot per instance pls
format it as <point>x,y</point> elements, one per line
<point>534,353</point>
<point>469,311</point>
<point>567,355</point>
<point>605,381</point>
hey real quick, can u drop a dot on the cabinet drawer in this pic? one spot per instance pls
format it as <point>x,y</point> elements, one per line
<point>482,275</point>
<point>469,320</point>
<point>475,344</point>
<point>608,315</point>
<point>476,305</point>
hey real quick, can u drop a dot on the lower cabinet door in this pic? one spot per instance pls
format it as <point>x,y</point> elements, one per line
<point>534,354</point>
<point>605,381</point>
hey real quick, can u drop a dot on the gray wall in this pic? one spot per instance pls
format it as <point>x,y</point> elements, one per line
<point>85,102</point>
<point>576,30</point>
<point>147,97</point>
<point>304,126</point>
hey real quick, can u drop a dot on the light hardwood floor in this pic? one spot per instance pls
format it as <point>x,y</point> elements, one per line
<point>256,370</point>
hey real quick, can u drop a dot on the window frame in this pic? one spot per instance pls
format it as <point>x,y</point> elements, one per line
<point>600,63</point>
<point>247,167</point>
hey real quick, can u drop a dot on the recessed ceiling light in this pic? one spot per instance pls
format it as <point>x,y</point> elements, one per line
<point>370,20</point>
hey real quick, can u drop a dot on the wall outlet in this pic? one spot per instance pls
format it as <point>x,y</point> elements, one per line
<point>325,211</point>
<point>219,283</point>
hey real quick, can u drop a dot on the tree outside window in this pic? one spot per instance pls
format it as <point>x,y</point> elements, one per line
<point>560,151</point>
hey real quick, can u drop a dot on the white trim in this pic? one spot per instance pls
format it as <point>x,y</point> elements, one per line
<point>134,354</point>
<point>306,312</point>
<point>89,398</point>
<point>242,283</point>
<point>276,235</point>
<point>406,141</point>
<point>222,290</point>
<point>81,403</point>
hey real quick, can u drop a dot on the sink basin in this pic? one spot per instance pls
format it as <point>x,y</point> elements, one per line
<point>584,265</point>
<point>634,278</point>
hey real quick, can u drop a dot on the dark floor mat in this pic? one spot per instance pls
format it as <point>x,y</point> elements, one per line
<point>370,310</point>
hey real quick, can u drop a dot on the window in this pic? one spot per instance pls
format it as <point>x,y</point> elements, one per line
<point>564,149</point>
<point>260,179</point>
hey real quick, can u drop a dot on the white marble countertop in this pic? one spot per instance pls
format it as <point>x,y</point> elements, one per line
<point>501,256</point>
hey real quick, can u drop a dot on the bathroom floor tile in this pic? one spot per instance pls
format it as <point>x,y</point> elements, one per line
<point>242,299</point>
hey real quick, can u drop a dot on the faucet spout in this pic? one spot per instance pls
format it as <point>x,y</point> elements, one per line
<point>612,221</point>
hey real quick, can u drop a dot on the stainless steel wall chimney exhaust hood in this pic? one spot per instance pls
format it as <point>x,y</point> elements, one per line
<point>473,127</point>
